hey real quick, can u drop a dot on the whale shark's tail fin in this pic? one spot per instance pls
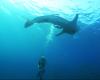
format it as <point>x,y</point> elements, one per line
<point>75,19</point>
<point>72,29</point>
<point>74,22</point>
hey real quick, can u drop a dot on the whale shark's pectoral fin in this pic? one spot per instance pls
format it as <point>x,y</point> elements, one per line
<point>57,26</point>
<point>60,33</point>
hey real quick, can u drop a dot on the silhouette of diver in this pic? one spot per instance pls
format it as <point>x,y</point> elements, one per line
<point>41,67</point>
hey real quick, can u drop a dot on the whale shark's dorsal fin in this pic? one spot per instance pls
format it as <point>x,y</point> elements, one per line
<point>54,15</point>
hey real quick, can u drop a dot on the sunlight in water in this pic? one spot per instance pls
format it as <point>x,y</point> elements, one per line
<point>50,5</point>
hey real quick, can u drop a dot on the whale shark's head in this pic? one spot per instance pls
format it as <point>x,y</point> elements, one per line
<point>28,24</point>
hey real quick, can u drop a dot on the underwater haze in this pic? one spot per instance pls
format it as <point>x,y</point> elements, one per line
<point>68,57</point>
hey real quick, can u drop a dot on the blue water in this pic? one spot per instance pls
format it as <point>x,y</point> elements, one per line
<point>68,57</point>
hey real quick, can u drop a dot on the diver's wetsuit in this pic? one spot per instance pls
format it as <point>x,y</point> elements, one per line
<point>41,67</point>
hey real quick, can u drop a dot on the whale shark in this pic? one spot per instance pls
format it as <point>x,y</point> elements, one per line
<point>69,27</point>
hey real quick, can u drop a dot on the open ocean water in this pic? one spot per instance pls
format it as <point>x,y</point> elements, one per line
<point>67,57</point>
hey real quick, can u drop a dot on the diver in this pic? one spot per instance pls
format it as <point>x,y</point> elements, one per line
<point>41,67</point>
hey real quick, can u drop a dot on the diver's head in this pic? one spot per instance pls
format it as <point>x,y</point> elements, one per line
<point>42,57</point>
<point>42,60</point>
